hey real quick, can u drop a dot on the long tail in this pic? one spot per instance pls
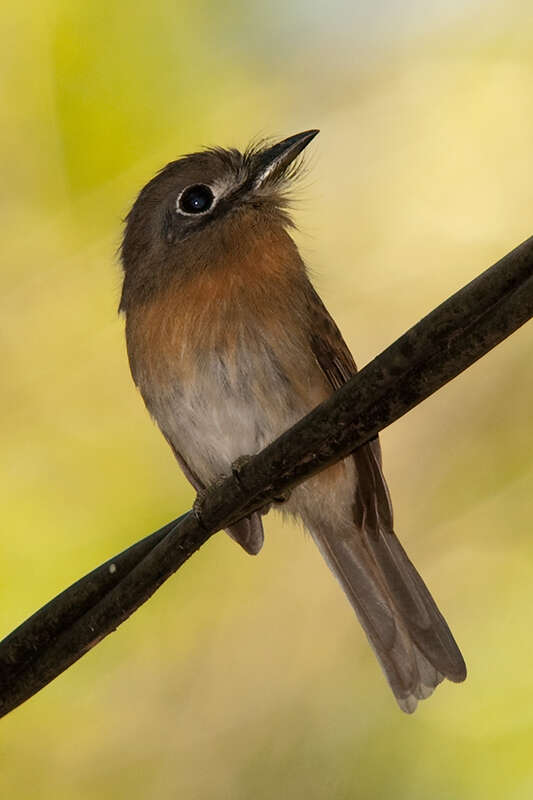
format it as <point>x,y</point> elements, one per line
<point>401,620</point>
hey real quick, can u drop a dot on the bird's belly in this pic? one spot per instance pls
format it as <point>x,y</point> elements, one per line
<point>229,407</point>
<point>212,425</point>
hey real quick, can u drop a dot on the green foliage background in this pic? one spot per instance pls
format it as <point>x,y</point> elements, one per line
<point>250,677</point>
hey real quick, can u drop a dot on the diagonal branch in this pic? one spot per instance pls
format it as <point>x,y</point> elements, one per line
<point>433,352</point>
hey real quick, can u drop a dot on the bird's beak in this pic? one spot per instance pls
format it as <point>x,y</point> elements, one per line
<point>275,159</point>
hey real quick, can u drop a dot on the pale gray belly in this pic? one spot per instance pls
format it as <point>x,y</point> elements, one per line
<point>226,412</point>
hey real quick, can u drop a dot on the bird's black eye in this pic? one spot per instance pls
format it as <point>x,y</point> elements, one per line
<point>196,199</point>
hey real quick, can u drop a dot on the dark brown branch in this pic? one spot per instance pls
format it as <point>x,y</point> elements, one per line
<point>430,354</point>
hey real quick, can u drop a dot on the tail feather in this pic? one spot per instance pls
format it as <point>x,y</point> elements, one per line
<point>417,607</point>
<point>401,620</point>
<point>248,532</point>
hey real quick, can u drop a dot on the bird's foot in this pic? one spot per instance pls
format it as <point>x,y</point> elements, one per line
<point>197,506</point>
<point>237,466</point>
<point>282,497</point>
<point>277,501</point>
<point>202,493</point>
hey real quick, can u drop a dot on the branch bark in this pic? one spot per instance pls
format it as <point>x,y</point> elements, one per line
<point>434,351</point>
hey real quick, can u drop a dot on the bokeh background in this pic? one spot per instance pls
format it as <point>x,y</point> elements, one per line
<point>250,677</point>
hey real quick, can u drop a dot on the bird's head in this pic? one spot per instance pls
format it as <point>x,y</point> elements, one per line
<point>203,207</point>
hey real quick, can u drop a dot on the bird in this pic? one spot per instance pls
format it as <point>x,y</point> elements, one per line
<point>230,344</point>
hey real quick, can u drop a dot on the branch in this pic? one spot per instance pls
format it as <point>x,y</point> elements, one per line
<point>433,352</point>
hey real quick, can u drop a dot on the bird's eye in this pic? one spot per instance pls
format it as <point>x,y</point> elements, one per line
<point>196,199</point>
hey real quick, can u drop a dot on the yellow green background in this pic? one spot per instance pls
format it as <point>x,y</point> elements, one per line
<point>250,677</point>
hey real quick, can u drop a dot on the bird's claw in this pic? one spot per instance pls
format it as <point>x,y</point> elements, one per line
<point>202,493</point>
<point>282,497</point>
<point>237,466</point>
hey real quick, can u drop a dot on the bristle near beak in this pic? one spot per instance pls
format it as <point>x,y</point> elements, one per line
<point>273,161</point>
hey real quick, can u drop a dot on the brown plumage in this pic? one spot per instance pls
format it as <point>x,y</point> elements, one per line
<point>230,345</point>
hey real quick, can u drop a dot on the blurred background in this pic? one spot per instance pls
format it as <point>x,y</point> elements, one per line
<point>250,677</point>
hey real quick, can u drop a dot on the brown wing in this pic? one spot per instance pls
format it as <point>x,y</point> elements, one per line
<point>248,532</point>
<point>338,365</point>
<point>373,568</point>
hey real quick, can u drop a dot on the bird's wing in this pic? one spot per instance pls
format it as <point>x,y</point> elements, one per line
<point>411,638</point>
<point>338,366</point>
<point>248,532</point>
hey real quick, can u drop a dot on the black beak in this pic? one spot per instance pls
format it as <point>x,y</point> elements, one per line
<point>275,159</point>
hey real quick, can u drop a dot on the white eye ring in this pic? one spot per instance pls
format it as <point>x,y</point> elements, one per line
<point>195,200</point>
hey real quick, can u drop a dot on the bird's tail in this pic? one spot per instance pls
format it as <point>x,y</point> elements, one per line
<point>401,620</point>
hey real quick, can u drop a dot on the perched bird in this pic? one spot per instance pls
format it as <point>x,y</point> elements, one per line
<point>229,345</point>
